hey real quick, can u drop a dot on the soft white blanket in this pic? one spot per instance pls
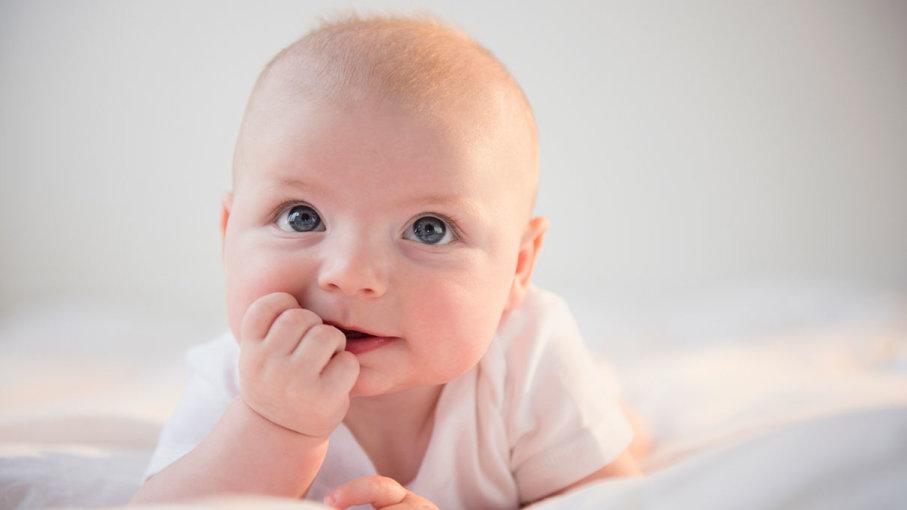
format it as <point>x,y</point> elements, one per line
<point>855,460</point>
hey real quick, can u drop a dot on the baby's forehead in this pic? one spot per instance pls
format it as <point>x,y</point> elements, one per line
<point>366,165</point>
<point>381,149</point>
<point>432,72</point>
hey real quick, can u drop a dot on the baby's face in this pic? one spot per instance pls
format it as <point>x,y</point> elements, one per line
<point>379,222</point>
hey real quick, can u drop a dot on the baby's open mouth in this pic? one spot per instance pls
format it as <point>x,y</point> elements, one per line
<point>360,342</point>
<point>352,334</point>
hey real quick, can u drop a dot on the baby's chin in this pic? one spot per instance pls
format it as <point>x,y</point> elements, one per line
<point>372,383</point>
<point>368,384</point>
<point>360,391</point>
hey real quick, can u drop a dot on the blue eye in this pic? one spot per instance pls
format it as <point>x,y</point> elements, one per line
<point>430,230</point>
<point>302,218</point>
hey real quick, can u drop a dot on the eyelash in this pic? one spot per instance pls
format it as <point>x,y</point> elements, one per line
<point>457,232</point>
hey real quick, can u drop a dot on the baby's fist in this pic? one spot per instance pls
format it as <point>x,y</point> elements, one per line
<point>293,369</point>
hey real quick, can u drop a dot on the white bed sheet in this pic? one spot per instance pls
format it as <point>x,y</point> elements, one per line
<point>848,460</point>
<point>805,415</point>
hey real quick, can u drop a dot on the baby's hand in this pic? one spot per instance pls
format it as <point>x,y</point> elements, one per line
<point>380,492</point>
<point>293,369</point>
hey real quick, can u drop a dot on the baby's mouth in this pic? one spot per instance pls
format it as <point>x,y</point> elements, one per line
<point>352,334</point>
<point>359,342</point>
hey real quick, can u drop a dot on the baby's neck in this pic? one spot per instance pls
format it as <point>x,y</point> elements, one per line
<point>395,429</point>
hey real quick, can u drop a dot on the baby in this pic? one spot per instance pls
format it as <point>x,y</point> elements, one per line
<point>386,346</point>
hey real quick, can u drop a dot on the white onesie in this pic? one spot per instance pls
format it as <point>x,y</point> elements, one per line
<point>536,414</point>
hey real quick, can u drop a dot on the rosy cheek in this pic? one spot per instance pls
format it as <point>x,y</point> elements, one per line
<point>449,312</point>
<point>254,277</point>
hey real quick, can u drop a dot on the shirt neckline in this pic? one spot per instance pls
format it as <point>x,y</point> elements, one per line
<point>417,480</point>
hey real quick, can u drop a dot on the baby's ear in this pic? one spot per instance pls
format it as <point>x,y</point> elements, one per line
<point>529,250</point>
<point>225,204</point>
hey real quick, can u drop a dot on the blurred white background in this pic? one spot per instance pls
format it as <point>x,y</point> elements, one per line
<point>685,146</point>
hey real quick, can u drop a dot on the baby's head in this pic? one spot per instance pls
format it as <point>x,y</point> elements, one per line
<point>385,175</point>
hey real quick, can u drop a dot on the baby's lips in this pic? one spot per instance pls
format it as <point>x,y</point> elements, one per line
<point>352,332</point>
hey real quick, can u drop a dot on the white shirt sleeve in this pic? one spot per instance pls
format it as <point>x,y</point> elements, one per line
<point>564,420</point>
<point>209,390</point>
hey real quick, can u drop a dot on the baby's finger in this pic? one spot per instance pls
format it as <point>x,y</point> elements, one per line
<point>379,491</point>
<point>261,314</point>
<point>288,329</point>
<point>318,345</point>
<point>413,501</point>
<point>341,372</point>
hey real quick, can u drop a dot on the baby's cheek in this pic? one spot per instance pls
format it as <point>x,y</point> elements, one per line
<point>241,293</point>
<point>250,277</point>
<point>459,323</point>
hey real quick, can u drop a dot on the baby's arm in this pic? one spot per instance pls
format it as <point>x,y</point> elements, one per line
<point>244,453</point>
<point>625,464</point>
<point>295,379</point>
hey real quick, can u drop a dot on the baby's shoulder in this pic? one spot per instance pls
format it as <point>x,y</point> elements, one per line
<point>537,340</point>
<point>542,317</point>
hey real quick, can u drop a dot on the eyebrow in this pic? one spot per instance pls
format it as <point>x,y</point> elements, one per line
<point>438,198</point>
<point>296,183</point>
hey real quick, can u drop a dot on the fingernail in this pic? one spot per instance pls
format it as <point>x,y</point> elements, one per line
<point>329,500</point>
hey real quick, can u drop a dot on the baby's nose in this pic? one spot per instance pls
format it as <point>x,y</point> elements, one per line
<point>353,268</point>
